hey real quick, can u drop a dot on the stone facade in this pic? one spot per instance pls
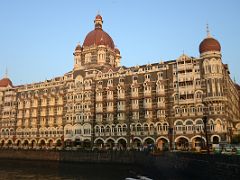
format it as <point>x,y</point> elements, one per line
<point>103,104</point>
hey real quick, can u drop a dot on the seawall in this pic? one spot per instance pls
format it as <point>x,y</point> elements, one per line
<point>167,165</point>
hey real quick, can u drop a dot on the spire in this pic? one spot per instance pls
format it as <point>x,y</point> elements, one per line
<point>6,73</point>
<point>208,31</point>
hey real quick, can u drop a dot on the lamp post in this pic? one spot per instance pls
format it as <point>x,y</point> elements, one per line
<point>205,129</point>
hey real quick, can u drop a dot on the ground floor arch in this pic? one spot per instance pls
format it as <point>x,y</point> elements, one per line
<point>50,143</point>
<point>9,142</point>
<point>42,143</point>
<point>198,142</point>
<point>2,143</point>
<point>25,143</point>
<point>33,143</point>
<point>122,144</point>
<point>182,143</point>
<point>137,143</point>
<point>110,143</point>
<point>215,139</point>
<point>148,143</point>
<point>87,144</point>
<point>162,143</point>
<point>58,143</point>
<point>99,143</point>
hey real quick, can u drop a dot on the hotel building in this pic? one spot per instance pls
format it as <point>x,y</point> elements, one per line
<point>102,104</point>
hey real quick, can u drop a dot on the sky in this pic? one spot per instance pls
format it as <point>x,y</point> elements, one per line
<point>37,38</point>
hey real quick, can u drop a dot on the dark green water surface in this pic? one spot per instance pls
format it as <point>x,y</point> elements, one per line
<point>17,169</point>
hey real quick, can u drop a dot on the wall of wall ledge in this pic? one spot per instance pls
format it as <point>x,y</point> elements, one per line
<point>166,165</point>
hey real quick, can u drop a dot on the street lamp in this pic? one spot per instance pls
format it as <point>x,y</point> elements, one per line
<point>205,129</point>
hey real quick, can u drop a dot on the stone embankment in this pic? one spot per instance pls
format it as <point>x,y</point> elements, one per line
<point>167,165</point>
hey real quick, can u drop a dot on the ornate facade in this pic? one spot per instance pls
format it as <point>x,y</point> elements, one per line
<point>104,105</point>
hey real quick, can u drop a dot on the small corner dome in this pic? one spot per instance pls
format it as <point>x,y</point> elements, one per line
<point>117,51</point>
<point>78,47</point>
<point>209,44</point>
<point>5,82</point>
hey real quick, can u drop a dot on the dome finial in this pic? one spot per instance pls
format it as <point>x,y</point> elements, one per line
<point>208,31</point>
<point>98,21</point>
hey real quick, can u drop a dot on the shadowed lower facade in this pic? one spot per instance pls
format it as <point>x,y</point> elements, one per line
<point>101,104</point>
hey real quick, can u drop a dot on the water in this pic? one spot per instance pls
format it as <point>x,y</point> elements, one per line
<point>21,170</point>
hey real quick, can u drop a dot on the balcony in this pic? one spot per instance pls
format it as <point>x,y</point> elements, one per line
<point>121,96</point>
<point>60,102</point>
<point>20,115</point>
<point>109,97</point>
<point>51,113</point>
<point>160,92</point>
<point>43,113</point>
<point>34,105</point>
<point>27,115</point>
<point>59,112</point>
<point>99,109</point>
<point>121,108</point>
<point>148,106</point>
<point>99,98</point>
<point>44,104</point>
<point>109,108</point>
<point>52,103</point>
<point>161,105</point>
<point>147,94</point>
<point>135,106</point>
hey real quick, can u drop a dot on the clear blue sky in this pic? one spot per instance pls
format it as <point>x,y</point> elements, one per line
<point>37,38</point>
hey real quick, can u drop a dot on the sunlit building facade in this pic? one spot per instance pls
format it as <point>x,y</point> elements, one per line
<point>102,104</point>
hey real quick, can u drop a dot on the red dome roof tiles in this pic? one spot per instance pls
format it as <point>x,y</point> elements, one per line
<point>98,37</point>
<point>209,44</point>
<point>5,82</point>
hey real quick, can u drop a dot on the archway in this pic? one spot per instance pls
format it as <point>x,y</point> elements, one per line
<point>110,144</point>
<point>182,144</point>
<point>162,144</point>
<point>33,143</point>
<point>122,144</point>
<point>9,143</point>
<point>77,142</point>
<point>25,143</point>
<point>59,143</point>
<point>68,143</point>
<point>137,143</point>
<point>99,143</point>
<point>87,144</point>
<point>215,140</point>
<point>50,143</point>
<point>42,144</point>
<point>2,143</point>
<point>148,143</point>
<point>198,143</point>
<point>18,143</point>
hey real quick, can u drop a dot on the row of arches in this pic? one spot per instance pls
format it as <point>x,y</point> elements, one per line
<point>135,129</point>
<point>32,143</point>
<point>162,142</point>
<point>197,125</point>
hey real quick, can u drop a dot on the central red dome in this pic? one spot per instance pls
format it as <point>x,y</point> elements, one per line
<point>5,82</point>
<point>98,36</point>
